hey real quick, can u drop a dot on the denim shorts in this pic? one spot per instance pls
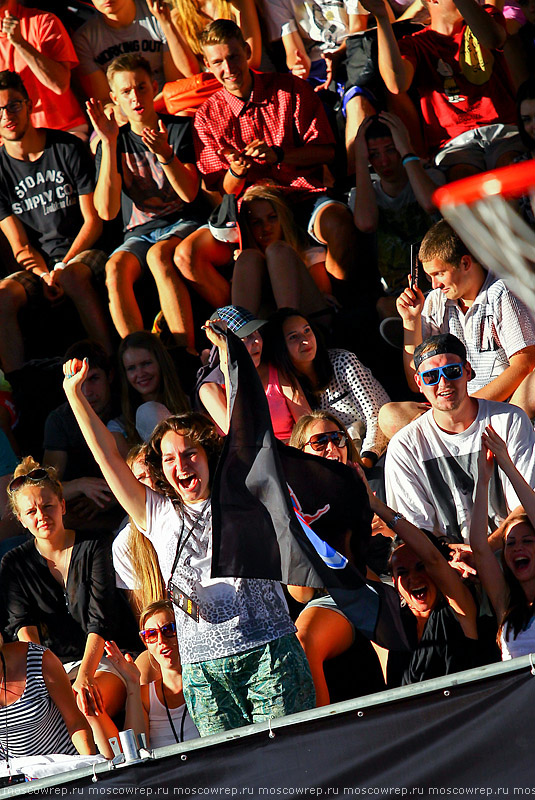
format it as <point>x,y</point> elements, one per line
<point>139,246</point>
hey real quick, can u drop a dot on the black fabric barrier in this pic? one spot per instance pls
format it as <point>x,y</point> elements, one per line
<point>474,739</point>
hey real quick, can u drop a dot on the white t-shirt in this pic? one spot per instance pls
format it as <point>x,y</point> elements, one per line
<point>235,614</point>
<point>523,645</point>
<point>122,560</point>
<point>97,43</point>
<point>493,329</point>
<point>430,475</point>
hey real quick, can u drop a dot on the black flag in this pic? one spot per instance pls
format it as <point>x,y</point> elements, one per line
<point>281,514</point>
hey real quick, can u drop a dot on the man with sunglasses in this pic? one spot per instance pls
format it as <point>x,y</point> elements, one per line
<point>431,464</point>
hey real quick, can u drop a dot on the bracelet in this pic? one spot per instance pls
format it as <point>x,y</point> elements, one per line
<point>394,521</point>
<point>238,177</point>
<point>279,152</point>
<point>58,267</point>
<point>169,161</point>
<point>408,157</point>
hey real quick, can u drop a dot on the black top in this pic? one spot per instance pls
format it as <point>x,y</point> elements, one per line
<point>62,433</point>
<point>443,648</point>
<point>89,604</point>
<point>43,194</point>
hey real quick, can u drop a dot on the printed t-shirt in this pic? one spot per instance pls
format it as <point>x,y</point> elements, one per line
<point>148,201</point>
<point>462,85</point>
<point>97,43</point>
<point>43,194</point>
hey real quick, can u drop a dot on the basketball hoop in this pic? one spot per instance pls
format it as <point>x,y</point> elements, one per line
<point>478,208</point>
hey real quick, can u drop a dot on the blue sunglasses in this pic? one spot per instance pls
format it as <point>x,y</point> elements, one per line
<point>450,372</point>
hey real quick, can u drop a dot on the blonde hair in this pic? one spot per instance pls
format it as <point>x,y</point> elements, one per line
<point>290,232</point>
<point>153,608</point>
<point>191,20</point>
<point>149,586</point>
<point>27,465</point>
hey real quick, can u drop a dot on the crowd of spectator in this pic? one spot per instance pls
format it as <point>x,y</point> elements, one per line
<point>171,172</point>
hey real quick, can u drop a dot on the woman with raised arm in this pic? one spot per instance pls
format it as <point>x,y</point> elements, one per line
<point>511,587</point>
<point>240,658</point>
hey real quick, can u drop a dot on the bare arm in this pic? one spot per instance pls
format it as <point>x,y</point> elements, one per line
<point>87,692</point>
<point>409,305</point>
<point>137,697</point>
<point>297,59</point>
<point>90,230</point>
<point>59,689</point>
<point>487,566</point>
<point>502,387</point>
<point>486,30</point>
<point>447,579</point>
<point>366,212</point>
<point>396,71</point>
<point>129,492</point>
<point>26,256</point>
<point>250,27</point>
<point>55,75</point>
<point>214,399</point>
<point>107,196</point>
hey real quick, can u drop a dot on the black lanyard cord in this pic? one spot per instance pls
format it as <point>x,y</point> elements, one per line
<point>180,739</point>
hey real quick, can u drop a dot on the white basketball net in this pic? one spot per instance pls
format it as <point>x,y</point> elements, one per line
<point>500,239</point>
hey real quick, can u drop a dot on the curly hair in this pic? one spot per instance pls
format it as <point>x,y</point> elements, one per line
<point>197,427</point>
<point>27,465</point>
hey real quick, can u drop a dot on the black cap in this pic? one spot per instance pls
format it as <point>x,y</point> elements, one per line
<point>439,345</point>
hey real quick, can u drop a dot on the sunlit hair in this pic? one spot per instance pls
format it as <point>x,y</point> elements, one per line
<point>290,232</point>
<point>192,20</point>
<point>128,62</point>
<point>221,31</point>
<point>193,425</point>
<point>28,464</point>
<point>518,612</point>
<point>301,435</point>
<point>442,242</point>
<point>154,608</point>
<point>149,586</point>
<point>526,91</point>
<point>276,353</point>
<point>170,392</point>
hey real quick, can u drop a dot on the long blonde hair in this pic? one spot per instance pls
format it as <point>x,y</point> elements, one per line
<point>149,585</point>
<point>192,21</point>
<point>290,231</point>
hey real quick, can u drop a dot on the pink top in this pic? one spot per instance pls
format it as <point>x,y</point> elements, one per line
<point>281,417</point>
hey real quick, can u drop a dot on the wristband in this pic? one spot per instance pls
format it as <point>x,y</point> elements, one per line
<point>408,157</point>
<point>169,161</point>
<point>279,152</point>
<point>58,267</point>
<point>394,521</point>
<point>238,177</point>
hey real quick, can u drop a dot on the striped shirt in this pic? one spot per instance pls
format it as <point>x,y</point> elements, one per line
<point>33,724</point>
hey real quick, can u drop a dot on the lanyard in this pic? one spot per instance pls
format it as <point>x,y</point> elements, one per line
<point>180,545</point>
<point>169,717</point>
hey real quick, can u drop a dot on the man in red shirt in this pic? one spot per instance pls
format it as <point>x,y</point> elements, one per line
<point>261,127</point>
<point>35,45</point>
<point>457,67</point>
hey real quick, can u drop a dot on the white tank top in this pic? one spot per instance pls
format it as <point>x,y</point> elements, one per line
<point>522,645</point>
<point>160,731</point>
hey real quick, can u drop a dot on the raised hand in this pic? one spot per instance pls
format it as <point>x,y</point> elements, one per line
<point>11,28</point>
<point>410,304</point>
<point>216,338</point>
<point>75,372</point>
<point>160,9</point>
<point>103,120</point>
<point>496,446</point>
<point>156,141</point>
<point>124,663</point>
<point>360,143</point>
<point>399,132</point>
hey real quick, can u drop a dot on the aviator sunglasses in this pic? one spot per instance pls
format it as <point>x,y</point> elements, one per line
<point>150,635</point>
<point>319,441</point>
<point>450,372</point>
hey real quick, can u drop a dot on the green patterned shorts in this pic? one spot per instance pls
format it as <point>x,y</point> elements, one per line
<point>270,681</point>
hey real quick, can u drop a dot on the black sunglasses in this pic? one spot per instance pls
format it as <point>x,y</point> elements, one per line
<point>35,476</point>
<point>150,635</point>
<point>451,372</point>
<point>319,441</point>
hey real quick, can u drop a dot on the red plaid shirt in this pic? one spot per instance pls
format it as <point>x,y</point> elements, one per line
<point>281,110</point>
